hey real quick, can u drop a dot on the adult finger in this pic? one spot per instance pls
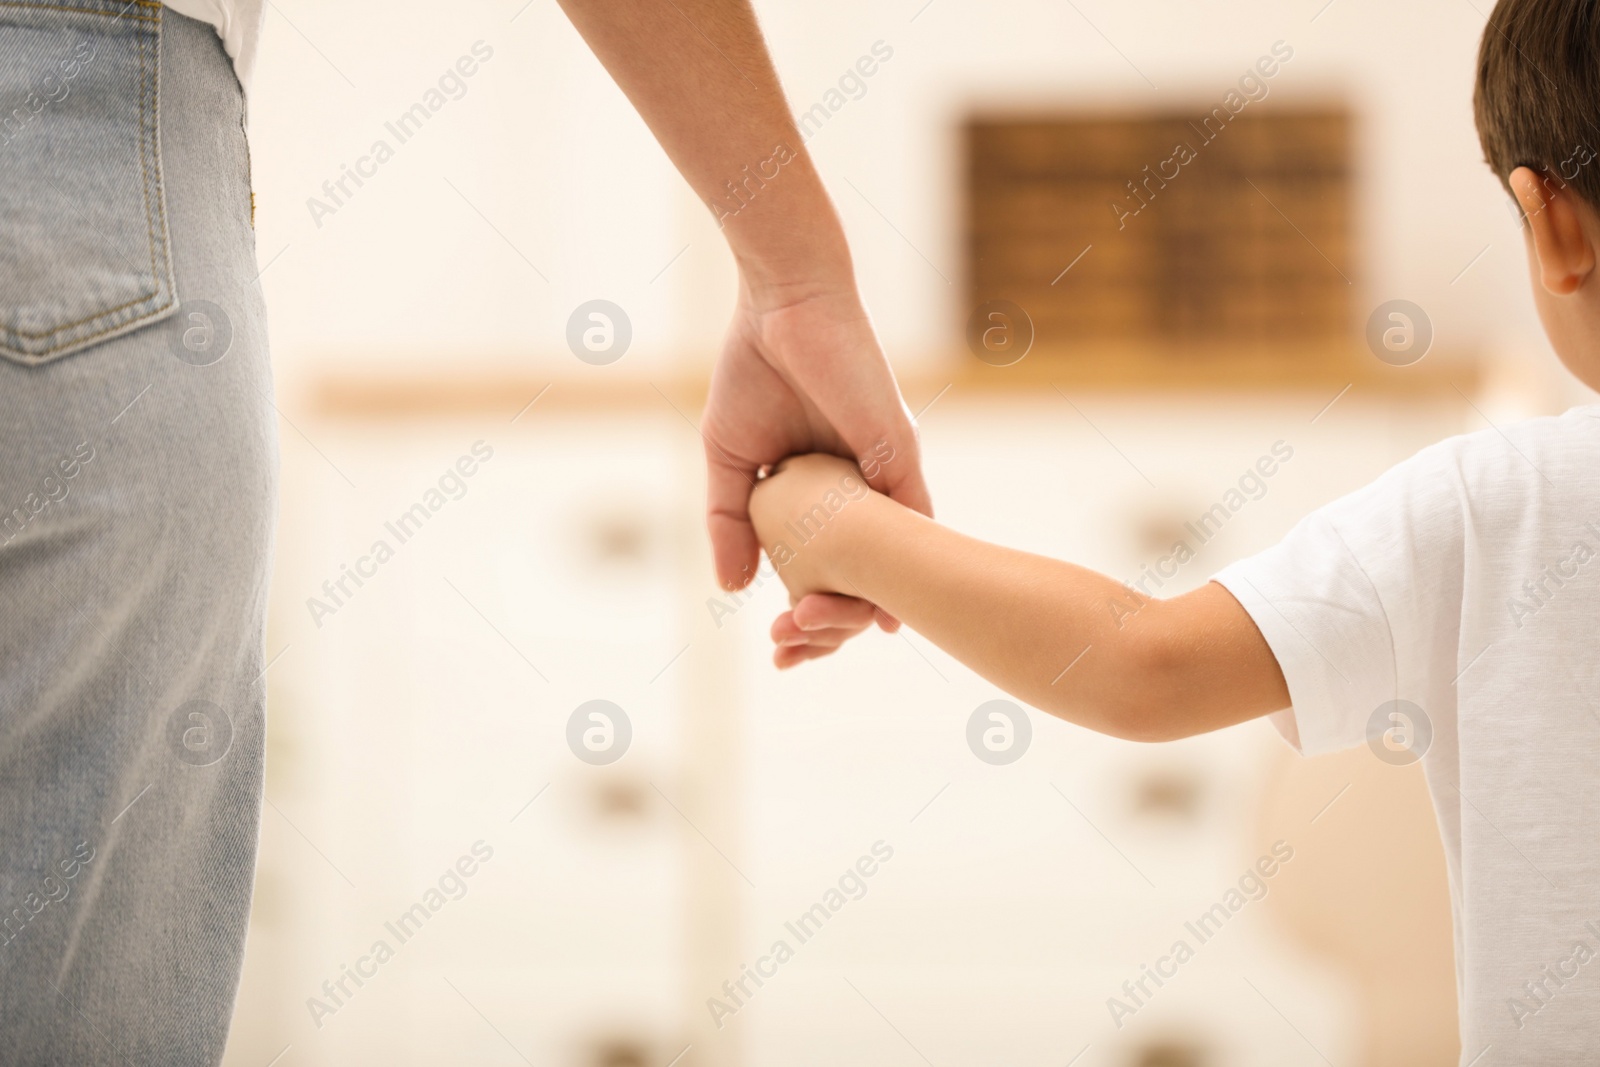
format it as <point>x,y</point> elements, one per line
<point>888,448</point>
<point>831,356</point>
<point>883,440</point>
<point>733,540</point>
<point>901,476</point>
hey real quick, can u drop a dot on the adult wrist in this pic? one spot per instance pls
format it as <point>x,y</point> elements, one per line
<point>789,238</point>
<point>787,274</point>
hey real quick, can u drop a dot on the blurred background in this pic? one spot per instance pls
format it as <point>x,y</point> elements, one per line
<point>1118,252</point>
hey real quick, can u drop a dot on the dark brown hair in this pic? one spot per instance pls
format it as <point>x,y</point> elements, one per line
<point>1537,100</point>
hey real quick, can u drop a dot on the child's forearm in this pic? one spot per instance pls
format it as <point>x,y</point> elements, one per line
<point>1060,637</point>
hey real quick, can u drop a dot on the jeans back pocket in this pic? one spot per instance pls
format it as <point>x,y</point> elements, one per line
<point>84,249</point>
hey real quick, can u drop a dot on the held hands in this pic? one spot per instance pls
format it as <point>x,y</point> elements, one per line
<point>801,513</point>
<point>796,509</point>
<point>802,372</point>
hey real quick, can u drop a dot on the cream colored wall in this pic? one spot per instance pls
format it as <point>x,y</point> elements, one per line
<point>547,148</point>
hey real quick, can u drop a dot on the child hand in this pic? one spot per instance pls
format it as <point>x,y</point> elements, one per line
<point>795,509</point>
<point>800,513</point>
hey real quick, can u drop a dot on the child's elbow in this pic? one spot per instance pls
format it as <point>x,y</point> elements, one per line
<point>1153,703</point>
<point>1150,725</point>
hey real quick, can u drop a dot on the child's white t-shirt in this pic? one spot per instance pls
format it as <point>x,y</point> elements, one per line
<point>1466,583</point>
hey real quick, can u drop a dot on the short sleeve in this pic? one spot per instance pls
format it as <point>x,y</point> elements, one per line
<point>1360,603</point>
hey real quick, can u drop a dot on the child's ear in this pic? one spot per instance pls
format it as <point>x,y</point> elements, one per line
<point>1560,241</point>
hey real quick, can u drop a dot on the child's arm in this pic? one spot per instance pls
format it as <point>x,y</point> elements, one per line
<point>1042,630</point>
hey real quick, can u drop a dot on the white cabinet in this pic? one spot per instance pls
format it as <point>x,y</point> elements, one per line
<point>425,714</point>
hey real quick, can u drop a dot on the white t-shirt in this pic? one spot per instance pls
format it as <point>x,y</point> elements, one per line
<point>1466,581</point>
<point>238,23</point>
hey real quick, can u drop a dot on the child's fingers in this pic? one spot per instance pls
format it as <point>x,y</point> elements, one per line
<point>796,645</point>
<point>825,610</point>
<point>817,639</point>
<point>784,658</point>
<point>822,611</point>
<point>784,628</point>
<point>786,631</point>
<point>820,623</point>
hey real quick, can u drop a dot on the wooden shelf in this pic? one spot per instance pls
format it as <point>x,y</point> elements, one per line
<point>1145,369</point>
<point>1298,366</point>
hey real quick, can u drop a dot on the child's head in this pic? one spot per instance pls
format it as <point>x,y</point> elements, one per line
<point>1538,112</point>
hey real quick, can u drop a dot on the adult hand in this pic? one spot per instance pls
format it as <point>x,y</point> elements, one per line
<point>802,371</point>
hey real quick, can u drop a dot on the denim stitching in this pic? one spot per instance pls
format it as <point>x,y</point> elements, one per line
<point>56,7</point>
<point>87,11</point>
<point>149,87</point>
<point>149,148</point>
<point>144,82</point>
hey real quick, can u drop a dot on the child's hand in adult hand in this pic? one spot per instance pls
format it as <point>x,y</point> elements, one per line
<point>801,513</point>
<point>801,372</point>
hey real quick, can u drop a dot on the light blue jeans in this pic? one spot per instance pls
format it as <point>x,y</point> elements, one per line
<point>138,473</point>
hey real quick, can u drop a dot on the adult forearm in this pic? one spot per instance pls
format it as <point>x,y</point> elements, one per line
<point>699,73</point>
